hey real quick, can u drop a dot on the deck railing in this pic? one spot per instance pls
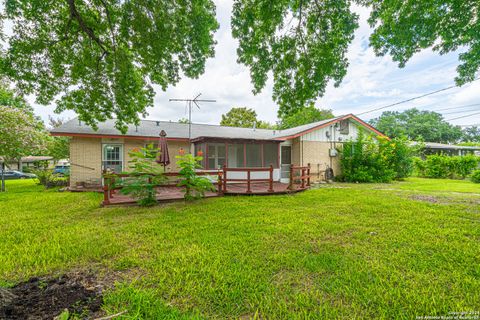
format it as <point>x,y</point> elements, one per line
<point>249,179</point>
<point>304,176</point>
<point>109,186</point>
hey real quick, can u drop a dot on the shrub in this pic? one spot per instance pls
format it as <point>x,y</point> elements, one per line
<point>46,178</point>
<point>372,159</point>
<point>146,173</point>
<point>475,177</point>
<point>195,185</point>
<point>443,166</point>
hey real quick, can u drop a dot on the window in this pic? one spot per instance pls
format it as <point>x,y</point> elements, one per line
<point>216,155</point>
<point>112,157</point>
<point>270,154</point>
<point>235,155</point>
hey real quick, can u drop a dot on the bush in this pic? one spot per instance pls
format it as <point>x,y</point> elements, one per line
<point>372,159</point>
<point>146,173</point>
<point>443,166</point>
<point>195,185</point>
<point>46,178</point>
<point>475,177</point>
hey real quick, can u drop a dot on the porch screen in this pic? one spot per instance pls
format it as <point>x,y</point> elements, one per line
<point>254,155</point>
<point>270,154</point>
<point>235,155</point>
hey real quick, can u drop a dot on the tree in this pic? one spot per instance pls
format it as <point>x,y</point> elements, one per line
<point>471,134</point>
<point>102,57</point>
<point>243,118</point>
<point>305,115</point>
<point>19,135</point>
<point>58,147</point>
<point>417,125</point>
<point>183,120</point>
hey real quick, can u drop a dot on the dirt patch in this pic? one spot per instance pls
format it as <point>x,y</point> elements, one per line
<point>425,198</point>
<point>46,298</point>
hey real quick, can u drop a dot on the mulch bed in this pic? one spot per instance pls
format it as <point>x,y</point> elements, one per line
<point>46,298</point>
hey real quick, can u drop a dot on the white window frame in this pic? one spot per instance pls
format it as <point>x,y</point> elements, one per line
<point>122,160</point>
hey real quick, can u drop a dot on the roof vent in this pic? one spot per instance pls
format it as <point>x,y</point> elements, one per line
<point>136,128</point>
<point>79,122</point>
<point>254,125</point>
<point>158,123</point>
<point>274,132</point>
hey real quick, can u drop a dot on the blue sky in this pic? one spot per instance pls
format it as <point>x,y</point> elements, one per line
<point>370,82</point>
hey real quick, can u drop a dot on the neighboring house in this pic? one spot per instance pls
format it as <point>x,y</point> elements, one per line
<point>91,151</point>
<point>29,162</point>
<point>449,149</point>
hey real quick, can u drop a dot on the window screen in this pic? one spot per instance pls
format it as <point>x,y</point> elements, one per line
<point>235,155</point>
<point>113,157</point>
<point>270,154</point>
<point>254,155</point>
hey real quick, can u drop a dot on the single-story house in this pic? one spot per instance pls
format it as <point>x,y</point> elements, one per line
<point>316,144</point>
<point>449,149</point>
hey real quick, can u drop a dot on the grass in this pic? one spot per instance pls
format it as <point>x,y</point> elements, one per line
<point>348,251</point>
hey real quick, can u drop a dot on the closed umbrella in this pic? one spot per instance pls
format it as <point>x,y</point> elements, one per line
<point>163,157</point>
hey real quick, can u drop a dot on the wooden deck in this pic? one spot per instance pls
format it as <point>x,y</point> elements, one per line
<point>172,194</point>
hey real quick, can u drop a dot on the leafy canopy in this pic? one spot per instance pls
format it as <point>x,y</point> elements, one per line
<point>417,125</point>
<point>243,117</point>
<point>101,57</point>
<point>304,116</point>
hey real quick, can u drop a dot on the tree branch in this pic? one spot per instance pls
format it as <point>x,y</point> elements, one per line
<point>89,31</point>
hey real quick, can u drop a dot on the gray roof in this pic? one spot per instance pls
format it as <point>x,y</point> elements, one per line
<point>151,128</point>
<point>435,145</point>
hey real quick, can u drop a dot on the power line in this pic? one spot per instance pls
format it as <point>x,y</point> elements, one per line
<point>468,115</point>
<point>463,111</point>
<point>411,99</point>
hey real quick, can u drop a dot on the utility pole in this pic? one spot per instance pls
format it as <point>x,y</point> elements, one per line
<point>189,102</point>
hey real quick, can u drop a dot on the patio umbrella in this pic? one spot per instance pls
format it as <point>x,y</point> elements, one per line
<point>163,157</point>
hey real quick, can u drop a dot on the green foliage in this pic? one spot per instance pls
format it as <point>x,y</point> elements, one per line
<point>183,120</point>
<point>403,28</point>
<point>59,147</point>
<point>101,57</point>
<point>146,173</point>
<point>372,159</point>
<point>303,43</point>
<point>475,177</point>
<point>46,178</point>
<point>472,135</point>
<point>243,118</point>
<point>304,116</point>
<point>417,125</point>
<point>195,185</point>
<point>443,166</point>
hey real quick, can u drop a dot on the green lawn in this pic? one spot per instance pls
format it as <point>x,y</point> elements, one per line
<point>343,251</point>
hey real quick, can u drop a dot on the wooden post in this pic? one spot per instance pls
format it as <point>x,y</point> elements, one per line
<point>106,195</point>
<point>270,189</point>
<point>111,184</point>
<point>224,178</point>
<point>290,183</point>
<point>303,178</point>
<point>308,174</point>
<point>220,182</point>
<point>248,182</point>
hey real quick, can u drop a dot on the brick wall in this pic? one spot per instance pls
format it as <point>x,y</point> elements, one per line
<point>87,152</point>
<point>317,154</point>
<point>86,160</point>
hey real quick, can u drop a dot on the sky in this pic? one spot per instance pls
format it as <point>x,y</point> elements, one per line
<point>370,82</point>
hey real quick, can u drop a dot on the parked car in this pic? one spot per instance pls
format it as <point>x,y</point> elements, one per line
<point>62,170</point>
<point>13,174</point>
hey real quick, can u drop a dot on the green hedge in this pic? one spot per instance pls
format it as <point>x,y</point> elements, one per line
<point>442,166</point>
<point>375,159</point>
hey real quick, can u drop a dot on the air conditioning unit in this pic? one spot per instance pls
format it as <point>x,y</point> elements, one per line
<point>333,152</point>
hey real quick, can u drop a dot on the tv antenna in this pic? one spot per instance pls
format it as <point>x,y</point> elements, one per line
<point>189,102</point>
